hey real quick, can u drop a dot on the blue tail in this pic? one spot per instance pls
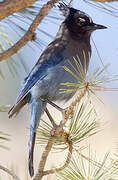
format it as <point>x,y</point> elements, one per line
<point>36,112</point>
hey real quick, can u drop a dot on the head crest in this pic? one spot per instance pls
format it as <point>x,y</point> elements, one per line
<point>64,8</point>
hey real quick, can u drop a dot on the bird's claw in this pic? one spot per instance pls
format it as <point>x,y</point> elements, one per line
<point>57,131</point>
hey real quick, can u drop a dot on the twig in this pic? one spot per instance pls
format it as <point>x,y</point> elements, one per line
<point>9,172</point>
<point>8,7</point>
<point>70,111</point>
<point>44,158</point>
<point>58,131</point>
<point>70,2</point>
<point>68,159</point>
<point>29,35</point>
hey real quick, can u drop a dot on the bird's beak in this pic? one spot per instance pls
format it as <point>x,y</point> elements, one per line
<point>97,26</point>
<point>94,26</point>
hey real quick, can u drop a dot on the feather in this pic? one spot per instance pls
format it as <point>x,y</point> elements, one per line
<point>16,108</point>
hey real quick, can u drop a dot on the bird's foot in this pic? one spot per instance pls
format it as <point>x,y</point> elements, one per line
<point>57,131</point>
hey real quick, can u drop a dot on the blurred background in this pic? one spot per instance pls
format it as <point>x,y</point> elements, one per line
<point>14,70</point>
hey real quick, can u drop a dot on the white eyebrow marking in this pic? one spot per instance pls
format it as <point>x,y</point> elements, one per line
<point>82,19</point>
<point>89,19</point>
<point>80,12</point>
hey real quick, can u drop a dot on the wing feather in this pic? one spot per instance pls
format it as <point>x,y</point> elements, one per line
<point>52,56</point>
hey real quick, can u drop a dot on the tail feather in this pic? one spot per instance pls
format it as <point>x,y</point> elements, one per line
<point>17,107</point>
<point>37,108</point>
<point>36,112</point>
<point>31,151</point>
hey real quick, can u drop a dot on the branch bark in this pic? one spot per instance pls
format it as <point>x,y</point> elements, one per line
<point>30,33</point>
<point>44,158</point>
<point>70,111</point>
<point>68,159</point>
<point>9,172</point>
<point>8,7</point>
<point>56,131</point>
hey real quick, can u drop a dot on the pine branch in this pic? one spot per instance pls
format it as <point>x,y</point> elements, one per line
<point>39,174</point>
<point>8,7</point>
<point>56,132</point>
<point>70,111</point>
<point>68,159</point>
<point>9,172</point>
<point>30,34</point>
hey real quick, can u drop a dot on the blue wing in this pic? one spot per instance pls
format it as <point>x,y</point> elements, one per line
<point>52,56</point>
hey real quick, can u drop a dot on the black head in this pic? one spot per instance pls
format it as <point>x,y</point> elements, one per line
<point>77,21</point>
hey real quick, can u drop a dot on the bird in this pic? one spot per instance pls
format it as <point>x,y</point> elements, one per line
<point>44,80</point>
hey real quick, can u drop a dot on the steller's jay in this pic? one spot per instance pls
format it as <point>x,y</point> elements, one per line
<point>44,81</point>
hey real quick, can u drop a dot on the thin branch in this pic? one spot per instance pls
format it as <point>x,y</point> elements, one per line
<point>8,7</point>
<point>44,158</point>
<point>70,2</point>
<point>70,111</point>
<point>29,35</point>
<point>68,159</point>
<point>9,172</point>
<point>58,131</point>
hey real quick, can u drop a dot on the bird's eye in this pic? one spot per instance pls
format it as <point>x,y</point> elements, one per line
<point>80,21</point>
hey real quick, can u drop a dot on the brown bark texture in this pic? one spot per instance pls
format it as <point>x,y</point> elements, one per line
<point>30,34</point>
<point>8,7</point>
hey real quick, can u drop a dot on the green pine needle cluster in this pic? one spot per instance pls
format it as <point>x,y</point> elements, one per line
<point>79,127</point>
<point>88,168</point>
